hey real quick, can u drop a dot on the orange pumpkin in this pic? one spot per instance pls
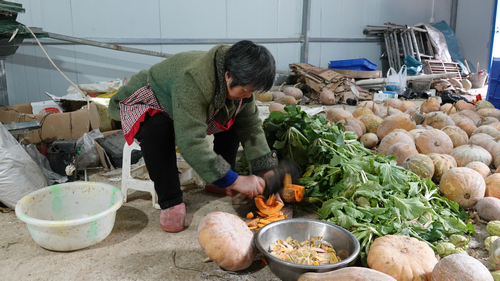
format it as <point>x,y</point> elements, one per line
<point>493,186</point>
<point>448,108</point>
<point>437,120</point>
<point>405,105</point>
<point>227,241</point>
<point>472,115</point>
<point>416,132</point>
<point>466,106</point>
<point>401,151</point>
<point>487,129</point>
<point>434,141</point>
<point>487,142</point>
<point>489,112</point>
<point>480,104</point>
<point>351,126</point>
<point>292,193</point>
<point>396,136</point>
<point>463,185</point>
<point>273,207</point>
<point>457,135</point>
<point>441,165</point>
<point>464,122</point>
<point>361,111</point>
<point>430,105</point>
<point>371,105</point>
<point>402,257</point>
<point>389,111</point>
<point>369,140</point>
<point>481,168</point>
<point>394,103</point>
<point>488,120</point>
<point>465,154</point>
<point>390,123</point>
<point>336,114</point>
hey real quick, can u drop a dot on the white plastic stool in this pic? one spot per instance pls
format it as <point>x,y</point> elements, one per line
<point>129,182</point>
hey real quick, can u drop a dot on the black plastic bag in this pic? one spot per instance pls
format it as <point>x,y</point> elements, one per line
<point>447,97</point>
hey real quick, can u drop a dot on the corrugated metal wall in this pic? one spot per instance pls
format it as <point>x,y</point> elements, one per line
<point>30,75</point>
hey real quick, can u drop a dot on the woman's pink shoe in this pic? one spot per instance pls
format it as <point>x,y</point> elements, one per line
<point>173,218</point>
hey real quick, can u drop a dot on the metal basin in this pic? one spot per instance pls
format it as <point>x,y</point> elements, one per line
<point>345,244</point>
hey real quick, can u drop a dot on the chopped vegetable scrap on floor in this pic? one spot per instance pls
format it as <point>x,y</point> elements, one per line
<point>315,251</point>
<point>264,219</point>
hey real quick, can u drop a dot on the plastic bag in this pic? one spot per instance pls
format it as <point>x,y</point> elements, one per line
<point>396,81</point>
<point>19,174</point>
<point>413,65</point>
<point>86,152</point>
<point>43,163</point>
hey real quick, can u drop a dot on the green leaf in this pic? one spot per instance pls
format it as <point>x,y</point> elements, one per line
<point>409,208</point>
<point>344,220</point>
<point>353,212</point>
<point>330,207</point>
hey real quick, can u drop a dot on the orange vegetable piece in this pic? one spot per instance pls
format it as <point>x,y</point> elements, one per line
<point>262,214</point>
<point>287,180</point>
<point>293,193</point>
<point>263,260</point>
<point>268,209</point>
<point>250,215</point>
<point>252,227</point>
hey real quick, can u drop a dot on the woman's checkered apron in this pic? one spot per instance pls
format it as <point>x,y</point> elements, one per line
<point>133,111</point>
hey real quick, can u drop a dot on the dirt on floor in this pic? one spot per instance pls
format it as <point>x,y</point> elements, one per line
<point>137,249</point>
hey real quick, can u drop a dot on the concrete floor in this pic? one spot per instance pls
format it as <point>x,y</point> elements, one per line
<point>136,249</point>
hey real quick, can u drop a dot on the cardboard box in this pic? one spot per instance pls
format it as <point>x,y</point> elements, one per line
<point>359,73</point>
<point>70,125</point>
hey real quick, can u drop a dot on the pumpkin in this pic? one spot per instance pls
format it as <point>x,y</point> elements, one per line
<point>441,165</point>
<point>388,111</point>
<point>463,185</point>
<point>472,115</point>
<point>437,120</point>
<point>495,125</point>
<point>493,186</point>
<point>488,208</point>
<point>405,105</point>
<point>466,106</point>
<point>294,92</point>
<point>336,114</point>
<point>430,105</point>
<point>371,122</point>
<point>487,142</point>
<point>351,126</point>
<point>487,129</point>
<point>481,168</point>
<point>402,151</point>
<point>291,193</point>
<point>452,160</point>
<point>460,267</point>
<point>369,140</point>
<point>489,112</point>
<point>361,124</point>
<point>402,257</point>
<point>327,97</point>
<point>434,141</point>
<point>264,97</point>
<point>269,206</point>
<point>457,136</point>
<point>416,132</point>
<point>464,123</point>
<point>351,273</point>
<point>418,117</point>
<point>361,111</point>
<point>488,120</point>
<point>390,123</point>
<point>227,240</point>
<point>480,104</point>
<point>448,108</point>
<point>277,107</point>
<point>394,103</point>
<point>286,100</point>
<point>420,164</point>
<point>371,105</point>
<point>278,94</point>
<point>410,111</point>
<point>459,103</point>
<point>396,136</point>
<point>465,154</point>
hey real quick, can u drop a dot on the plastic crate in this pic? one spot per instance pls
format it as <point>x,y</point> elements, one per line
<point>493,94</point>
<point>354,64</point>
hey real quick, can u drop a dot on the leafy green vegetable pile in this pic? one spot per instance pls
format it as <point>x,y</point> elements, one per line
<point>365,193</point>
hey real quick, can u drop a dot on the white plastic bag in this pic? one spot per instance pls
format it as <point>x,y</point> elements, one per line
<point>396,81</point>
<point>19,174</point>
<point>43,163</point>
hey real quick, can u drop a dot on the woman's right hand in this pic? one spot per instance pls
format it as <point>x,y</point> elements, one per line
<point>250,185</point>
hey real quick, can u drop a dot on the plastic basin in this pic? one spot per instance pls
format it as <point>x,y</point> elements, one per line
<point>70,216</point>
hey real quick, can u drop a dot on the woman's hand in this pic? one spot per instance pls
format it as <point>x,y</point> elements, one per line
<point>250,185</point>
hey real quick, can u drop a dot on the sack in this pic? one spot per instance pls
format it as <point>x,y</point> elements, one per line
<point>414,66</point>
<point>396,81</point>
<point>19,174</point>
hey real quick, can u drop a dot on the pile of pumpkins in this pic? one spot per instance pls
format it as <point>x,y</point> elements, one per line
<point>288,96</point>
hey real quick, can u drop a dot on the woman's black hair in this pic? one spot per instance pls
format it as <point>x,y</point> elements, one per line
<point>249,64</point>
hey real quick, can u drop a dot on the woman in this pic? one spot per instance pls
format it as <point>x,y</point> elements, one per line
<point>187,96</point>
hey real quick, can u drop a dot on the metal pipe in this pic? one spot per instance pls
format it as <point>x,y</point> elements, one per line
<point>306,22</point>
<point>4,94</point>
<point>417,51</point>
<point>107,46</point>
<point>454,12</point>
<point>408,78</point>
